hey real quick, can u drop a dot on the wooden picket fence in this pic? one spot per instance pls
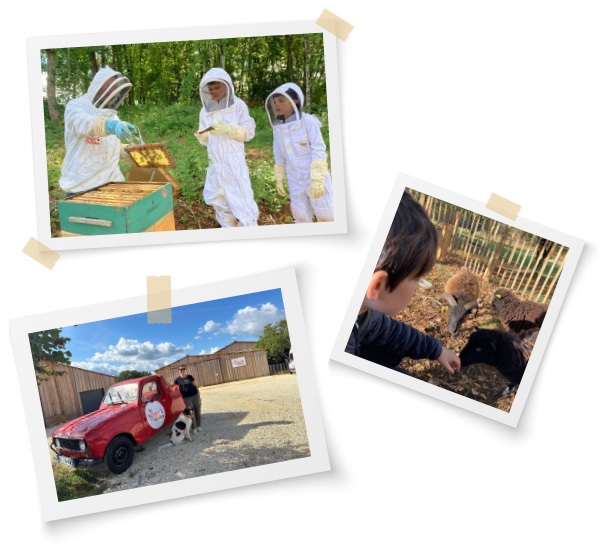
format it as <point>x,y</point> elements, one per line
<point>278,368</point>
<point>502,254</point>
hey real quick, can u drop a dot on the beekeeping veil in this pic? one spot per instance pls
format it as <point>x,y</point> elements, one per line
<point>108,89</point>
<point>282,105</point>
<point>216,74</point>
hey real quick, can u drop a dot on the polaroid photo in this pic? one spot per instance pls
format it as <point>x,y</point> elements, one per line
<point>122,412</point>
<point>457,301</point>
<point>186,135</point>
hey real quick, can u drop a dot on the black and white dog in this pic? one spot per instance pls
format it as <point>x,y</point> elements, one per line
<point>181,429</point>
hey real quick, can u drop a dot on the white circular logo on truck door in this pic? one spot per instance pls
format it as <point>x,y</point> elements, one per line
<point>155,414</point>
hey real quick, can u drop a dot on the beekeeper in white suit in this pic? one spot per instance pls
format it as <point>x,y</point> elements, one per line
<point>300,153</point>
<point>93,133</point>
<point>227,187</point>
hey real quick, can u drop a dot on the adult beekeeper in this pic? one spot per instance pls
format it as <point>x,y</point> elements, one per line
<point>227,187</point>
<point>93,133</point>
<point>300,154</point>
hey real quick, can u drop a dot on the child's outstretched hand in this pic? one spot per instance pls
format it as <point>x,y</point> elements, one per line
<point>449,360</point>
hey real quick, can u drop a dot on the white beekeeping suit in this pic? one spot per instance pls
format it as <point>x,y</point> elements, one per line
<point>227,186</point>
<point>300,153</point>
<point>91,154</point>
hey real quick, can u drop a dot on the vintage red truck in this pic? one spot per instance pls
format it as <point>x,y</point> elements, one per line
<point>131,412</point>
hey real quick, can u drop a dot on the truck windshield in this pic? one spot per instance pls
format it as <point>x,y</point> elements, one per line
<point>126,393</point>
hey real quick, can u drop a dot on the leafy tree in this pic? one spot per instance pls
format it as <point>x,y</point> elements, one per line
<point>131,374</point>
<point>46,347</point>
<point>167,73</point>
<point>276,339</point>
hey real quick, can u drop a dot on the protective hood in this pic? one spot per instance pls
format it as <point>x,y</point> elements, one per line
<point>284,104</point>
<point>108,89</point>
<point>216,74</point>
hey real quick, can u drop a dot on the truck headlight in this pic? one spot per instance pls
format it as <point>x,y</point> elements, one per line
<point>57,442</point>
<point>82,445</point>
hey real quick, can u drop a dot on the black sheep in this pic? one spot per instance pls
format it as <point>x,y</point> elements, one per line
<point>509,352</point>
<point>461,292</point>
<point>518,315</point>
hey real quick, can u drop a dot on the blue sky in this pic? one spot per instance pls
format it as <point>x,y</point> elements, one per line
<point>129,343</point>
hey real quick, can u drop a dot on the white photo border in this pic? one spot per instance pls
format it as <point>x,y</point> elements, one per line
<point>511,418</point>
<point>318,461</point>
<point>35,44</point>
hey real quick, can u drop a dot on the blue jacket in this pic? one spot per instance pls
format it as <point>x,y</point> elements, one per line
<point>386,341</point>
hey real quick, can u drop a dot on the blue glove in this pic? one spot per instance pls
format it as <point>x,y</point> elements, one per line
<point>121,129</point>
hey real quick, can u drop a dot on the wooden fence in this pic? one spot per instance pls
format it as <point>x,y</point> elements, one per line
<point>275,369</point>
<point>60,395</point>
<point>506,256</point>
<point>220,367</point>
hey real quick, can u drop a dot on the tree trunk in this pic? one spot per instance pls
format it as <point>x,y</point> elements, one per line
<point>94,66</point>
<point>307,76</point>
<point>51,91</point>
<point>289,65</point>
<point>221,55</point>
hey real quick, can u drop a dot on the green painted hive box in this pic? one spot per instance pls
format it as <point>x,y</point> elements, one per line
<point>116,208</point>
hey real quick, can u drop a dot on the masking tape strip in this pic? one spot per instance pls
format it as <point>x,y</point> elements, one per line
<point>159,300</point>
<point>335,25</point>
<point>503,207</point>
<point>39,252</point>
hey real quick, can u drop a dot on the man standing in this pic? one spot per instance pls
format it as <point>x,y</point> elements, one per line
<point>93,133</point>
<point>191,395</point>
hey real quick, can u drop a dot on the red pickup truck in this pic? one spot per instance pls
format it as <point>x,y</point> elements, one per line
<point>131,412</point>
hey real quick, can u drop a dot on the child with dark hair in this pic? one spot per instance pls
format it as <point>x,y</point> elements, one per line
<point>408,254</point>
<point>300,153</point>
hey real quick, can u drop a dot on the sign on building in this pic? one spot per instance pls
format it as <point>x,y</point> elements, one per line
<point>239,361</point>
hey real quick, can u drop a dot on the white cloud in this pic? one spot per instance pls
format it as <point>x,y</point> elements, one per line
<point>246,321</point>
<point>210,352</point>
<point>251,321</point>
<point>211,326</point>
<point>132,351</point>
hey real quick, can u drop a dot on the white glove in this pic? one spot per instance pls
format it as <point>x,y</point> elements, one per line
<point>202,138</point>
<point>280,172</point>
<point>319,170</point>
<point>235,132</point>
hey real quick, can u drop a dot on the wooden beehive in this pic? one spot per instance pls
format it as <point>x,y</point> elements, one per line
<point>118,208</point>
<point>154,159</point>
<point>142,203</point>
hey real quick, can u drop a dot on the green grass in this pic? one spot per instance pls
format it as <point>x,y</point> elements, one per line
<point>174,125</point>
<point>75,483</point>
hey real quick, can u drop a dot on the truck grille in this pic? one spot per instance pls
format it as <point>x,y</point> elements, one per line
<point>69,444</point>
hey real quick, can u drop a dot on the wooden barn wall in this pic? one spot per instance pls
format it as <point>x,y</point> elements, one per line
<point>214,369</point>
<point>60,395</point>
<point>238,346</point>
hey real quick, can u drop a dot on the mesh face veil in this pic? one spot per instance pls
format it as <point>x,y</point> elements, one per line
<point>113,92</point>
<point>209,101</point>
<point>282,107</point>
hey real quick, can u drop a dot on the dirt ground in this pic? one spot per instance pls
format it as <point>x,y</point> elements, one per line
<point>245,423</point>
<point>198,216</point>
<point>479,382</point>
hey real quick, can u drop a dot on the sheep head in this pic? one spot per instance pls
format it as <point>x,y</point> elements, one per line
<point>457,311</point>
<point>502,296</point>
<point>481,348</point>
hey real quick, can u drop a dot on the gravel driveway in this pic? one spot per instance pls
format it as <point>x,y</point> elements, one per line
<point>244,423</point>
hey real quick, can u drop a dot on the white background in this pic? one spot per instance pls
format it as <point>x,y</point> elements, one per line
<point>476,96</point>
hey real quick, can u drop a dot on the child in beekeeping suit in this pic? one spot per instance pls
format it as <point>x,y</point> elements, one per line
<point>93,133</point>
<point>300,153</point>
<point>227,187</point>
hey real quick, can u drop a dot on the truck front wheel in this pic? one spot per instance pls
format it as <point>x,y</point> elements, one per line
<point>119,455</point>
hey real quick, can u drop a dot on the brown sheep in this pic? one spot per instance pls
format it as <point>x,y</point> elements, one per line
<point>461,292</point>
<point>518,315</point>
